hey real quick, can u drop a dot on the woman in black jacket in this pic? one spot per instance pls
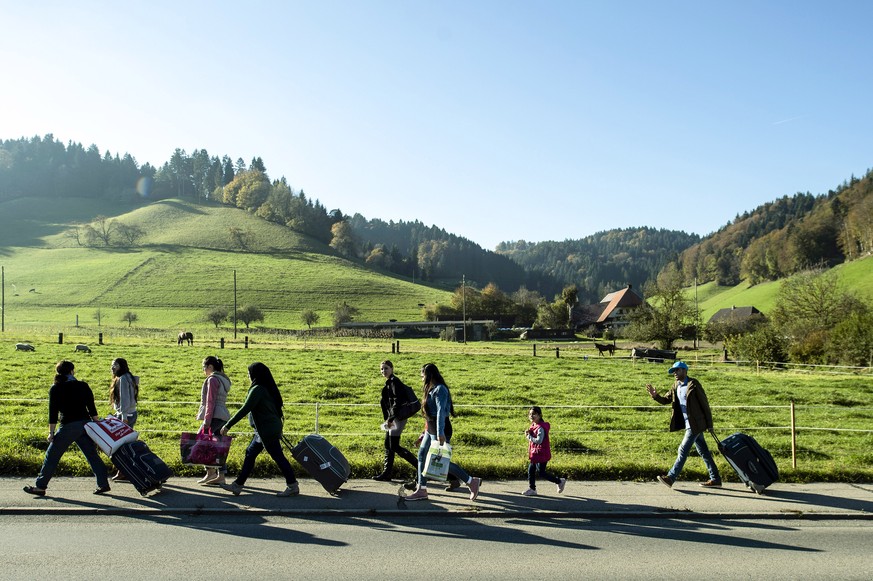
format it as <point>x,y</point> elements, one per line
<point>397,401</point>
<point>71,406</point>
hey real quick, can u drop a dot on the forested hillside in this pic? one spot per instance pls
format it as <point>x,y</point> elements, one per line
<point>414,249</point>
<point>786,236</point>
<point>604,262</point>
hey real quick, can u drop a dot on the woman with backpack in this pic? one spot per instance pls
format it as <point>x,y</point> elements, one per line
<point>398,405</point>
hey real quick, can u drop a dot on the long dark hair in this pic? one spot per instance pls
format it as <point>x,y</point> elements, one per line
<point>260,375</point>
<point>433,378</point>
<point>62,370</point>
<point>117,374</point>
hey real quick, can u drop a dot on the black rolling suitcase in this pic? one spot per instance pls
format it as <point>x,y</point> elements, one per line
<point>752,463</point>
<point>142,467</point>
<point>322,461</point>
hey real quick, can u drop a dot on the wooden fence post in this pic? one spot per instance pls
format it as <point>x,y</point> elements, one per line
<point>793,438</point>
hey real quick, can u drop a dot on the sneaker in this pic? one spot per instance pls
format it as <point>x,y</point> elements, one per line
<point>561,484</point>
<point>530,492</point>
<point>383,477</point>
<point>292,490</point>
<point>102,489</point>
<point>666,481</point>
<point>453,484</point>
<point>420,494</point>
<point>474,485</point>
<point>711,484</point>
<point>232,487</point>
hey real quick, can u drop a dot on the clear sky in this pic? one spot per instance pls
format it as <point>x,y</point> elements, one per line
<point>496,120</point>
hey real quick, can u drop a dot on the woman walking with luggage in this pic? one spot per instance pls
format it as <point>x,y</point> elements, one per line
<point>398,404</point>
<point>437,407</point>
<point>71,406</point>
<point>264,403</point>
<point>213,410</point>
<point>123,395</point>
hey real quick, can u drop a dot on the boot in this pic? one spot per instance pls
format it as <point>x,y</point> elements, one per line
<point>388,468</point>
<point>211,474</point>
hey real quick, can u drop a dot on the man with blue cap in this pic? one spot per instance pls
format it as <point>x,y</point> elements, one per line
<point>691,413</point>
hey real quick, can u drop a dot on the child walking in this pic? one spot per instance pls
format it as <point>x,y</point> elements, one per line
<point>539,452</point>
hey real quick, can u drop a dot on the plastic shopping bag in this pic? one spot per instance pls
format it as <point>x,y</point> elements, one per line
<point>436,463</point>
<point>204,448</point>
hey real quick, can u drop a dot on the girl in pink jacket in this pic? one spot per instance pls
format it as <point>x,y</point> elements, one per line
<point>539,452</point>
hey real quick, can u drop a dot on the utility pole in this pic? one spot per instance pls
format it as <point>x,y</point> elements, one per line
<point>3,299</point>
<point>234,304</point>
<point>697,314</point>
<point>464,304</point>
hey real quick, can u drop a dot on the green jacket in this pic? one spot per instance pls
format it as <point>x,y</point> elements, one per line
<point>699,413</point>
<point>267,417</point>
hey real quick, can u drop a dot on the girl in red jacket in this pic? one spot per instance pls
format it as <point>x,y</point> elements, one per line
<point>539,452</point>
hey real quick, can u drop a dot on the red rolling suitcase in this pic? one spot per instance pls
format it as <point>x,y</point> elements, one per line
<point>322,461</point>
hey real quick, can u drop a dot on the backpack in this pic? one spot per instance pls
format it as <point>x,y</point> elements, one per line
<point>410,407</point>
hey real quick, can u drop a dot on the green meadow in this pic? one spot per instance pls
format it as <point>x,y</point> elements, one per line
<point>604,425</point>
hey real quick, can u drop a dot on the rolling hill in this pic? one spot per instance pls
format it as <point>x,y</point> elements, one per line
<point>183,265</point>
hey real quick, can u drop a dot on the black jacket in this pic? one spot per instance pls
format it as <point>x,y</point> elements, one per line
<point>394,394</point>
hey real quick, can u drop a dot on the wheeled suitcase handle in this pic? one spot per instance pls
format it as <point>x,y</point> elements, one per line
<point>717,441</point>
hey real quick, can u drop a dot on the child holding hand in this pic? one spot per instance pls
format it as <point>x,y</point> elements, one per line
<point>539,452</point>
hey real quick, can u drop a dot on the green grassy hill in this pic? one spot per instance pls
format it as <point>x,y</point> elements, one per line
<point>856,276</point>
<point>182,267</point>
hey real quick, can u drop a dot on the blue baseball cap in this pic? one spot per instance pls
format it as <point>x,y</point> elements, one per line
<point>677,365</point>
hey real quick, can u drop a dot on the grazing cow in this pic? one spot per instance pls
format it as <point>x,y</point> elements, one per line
<point>24,347</point>
<point>84,348</point>
<point>186,336</point>
<point>605,347</point>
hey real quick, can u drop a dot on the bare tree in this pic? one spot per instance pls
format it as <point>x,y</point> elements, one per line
<point>130,317</point>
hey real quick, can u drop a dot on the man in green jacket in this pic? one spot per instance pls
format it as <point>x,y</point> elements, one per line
<point>691,413</point>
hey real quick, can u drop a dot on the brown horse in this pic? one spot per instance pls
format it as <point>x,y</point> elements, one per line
<point>186,336</point>
<point>605,347</point>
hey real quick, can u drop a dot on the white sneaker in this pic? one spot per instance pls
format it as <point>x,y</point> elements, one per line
<point>561,484</point>
<point>530,492</point>
<point>292,490</point>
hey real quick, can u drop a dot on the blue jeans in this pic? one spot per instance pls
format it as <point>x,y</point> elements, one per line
<point>67,434</point>
<point>274,449</point>
<point>699,443</point>
<point>454,470</point>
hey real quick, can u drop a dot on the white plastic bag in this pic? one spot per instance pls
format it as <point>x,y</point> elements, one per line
<point>436,463</point>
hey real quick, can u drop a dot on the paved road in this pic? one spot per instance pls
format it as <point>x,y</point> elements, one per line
<point>153,546</point>
<point>595,530</point>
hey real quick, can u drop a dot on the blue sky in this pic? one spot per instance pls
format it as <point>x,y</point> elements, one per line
<point>497,121</point>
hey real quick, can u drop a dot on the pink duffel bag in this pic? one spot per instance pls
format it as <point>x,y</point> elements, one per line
<point>110,434</point>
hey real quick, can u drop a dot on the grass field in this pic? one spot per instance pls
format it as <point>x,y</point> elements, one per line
<point>604,425</point>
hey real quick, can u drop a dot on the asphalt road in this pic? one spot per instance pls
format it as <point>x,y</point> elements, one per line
<point>152,546</point>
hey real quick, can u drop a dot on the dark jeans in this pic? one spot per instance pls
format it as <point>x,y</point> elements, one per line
<point>539,467</point>
<point>274,449</point>
<point>67,434</point>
